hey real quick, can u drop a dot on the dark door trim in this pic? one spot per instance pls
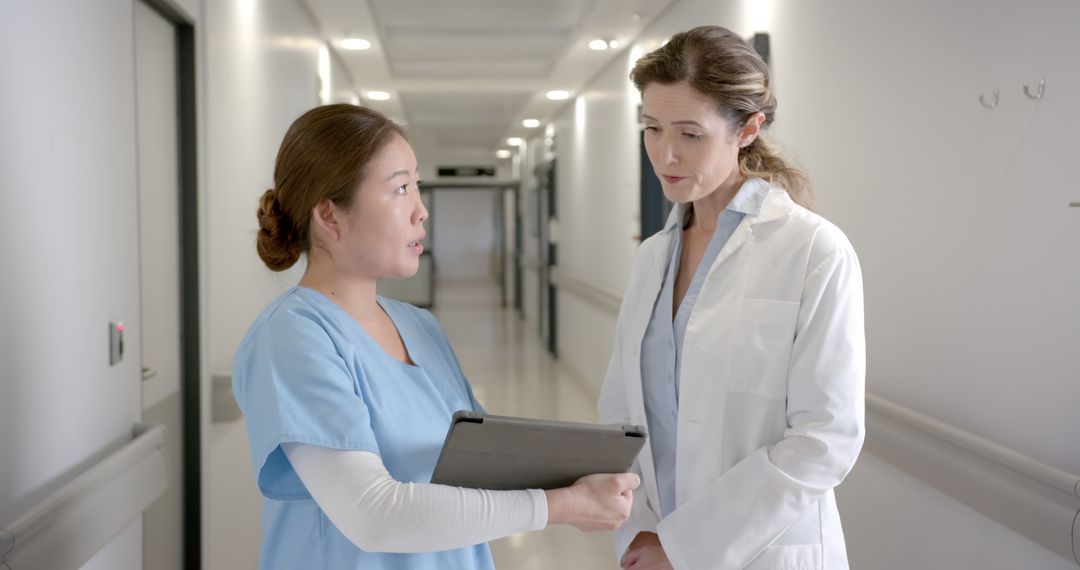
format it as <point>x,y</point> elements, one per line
<point>654,206</point>
<point>189,279</point>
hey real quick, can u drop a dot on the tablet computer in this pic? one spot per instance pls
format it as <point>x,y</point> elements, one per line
<point>506,453</point>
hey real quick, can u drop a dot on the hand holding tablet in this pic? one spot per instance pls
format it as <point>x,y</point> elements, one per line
<point>503,453</point>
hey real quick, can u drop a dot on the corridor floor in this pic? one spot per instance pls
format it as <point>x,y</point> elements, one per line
<point>512,374</point>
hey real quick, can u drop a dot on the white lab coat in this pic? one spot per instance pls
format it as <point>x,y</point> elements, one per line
<point>771,396</point>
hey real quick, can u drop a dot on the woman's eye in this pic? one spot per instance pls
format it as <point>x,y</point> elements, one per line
<point>403,189</point>
<point>652,129</point>
<point>692,136</point>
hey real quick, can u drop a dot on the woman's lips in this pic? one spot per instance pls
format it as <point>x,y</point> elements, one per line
<point>673,179</point>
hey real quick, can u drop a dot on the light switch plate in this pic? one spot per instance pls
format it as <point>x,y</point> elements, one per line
<point>116,342</point>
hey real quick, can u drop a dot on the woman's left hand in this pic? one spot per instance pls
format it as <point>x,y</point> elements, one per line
<point>645,553</point>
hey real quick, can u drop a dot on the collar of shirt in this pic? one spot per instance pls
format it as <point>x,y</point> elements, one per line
<point>748,200</point>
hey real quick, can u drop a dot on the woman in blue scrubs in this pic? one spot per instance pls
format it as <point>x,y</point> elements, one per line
<point>347,396</point>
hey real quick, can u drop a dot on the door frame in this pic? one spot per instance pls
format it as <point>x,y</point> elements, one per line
<point>546,212</point>
<point>654,206</point>
<point>190,354</point>
<point>499,188</point>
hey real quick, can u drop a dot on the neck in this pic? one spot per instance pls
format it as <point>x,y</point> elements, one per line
<point>356,295</point>
<point>708,208</point>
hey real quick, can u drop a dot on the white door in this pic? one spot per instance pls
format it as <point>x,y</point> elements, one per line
<point>159,272</point>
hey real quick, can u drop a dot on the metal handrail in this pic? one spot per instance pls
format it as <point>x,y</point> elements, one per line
<point>74,522</point>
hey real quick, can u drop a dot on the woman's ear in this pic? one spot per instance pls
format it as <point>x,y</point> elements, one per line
<point>751,129</point>
<point>324,220</point>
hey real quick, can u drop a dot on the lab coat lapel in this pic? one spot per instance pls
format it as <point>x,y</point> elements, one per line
<point>777,205</point>
<point>650,280</point>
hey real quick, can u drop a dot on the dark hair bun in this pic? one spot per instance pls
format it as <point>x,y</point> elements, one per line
<point>275,242</point>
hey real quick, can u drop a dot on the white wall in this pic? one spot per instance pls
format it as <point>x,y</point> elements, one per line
<point>463,227</point>
<point>959,215</point>
<point>262,72</point>
<point>597,183</point>
<point>68,187</point>
<point>958,212</point>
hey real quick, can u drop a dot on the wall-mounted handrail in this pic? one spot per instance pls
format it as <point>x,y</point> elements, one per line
<point>582,288</point>
<point>1031,498</point>
<point>1034,500</point>
<point>223,406</point>
<point>72,524</point>
<point>1052,477</point>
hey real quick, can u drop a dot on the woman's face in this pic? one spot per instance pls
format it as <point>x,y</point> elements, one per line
<point>382,232</point>
<point>693,149</point>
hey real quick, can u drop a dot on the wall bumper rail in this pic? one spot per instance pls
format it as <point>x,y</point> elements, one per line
<point>75,522</point>
<point>1035,500</point>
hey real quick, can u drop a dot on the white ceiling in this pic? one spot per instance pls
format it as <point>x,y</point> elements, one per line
<point>464,73</point>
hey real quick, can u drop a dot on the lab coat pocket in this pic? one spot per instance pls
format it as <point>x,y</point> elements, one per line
<point>764,335</point>
<point>792,557</point>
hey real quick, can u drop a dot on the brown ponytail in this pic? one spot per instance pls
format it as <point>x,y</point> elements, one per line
<point>274,242</point>
<point>762,159</point>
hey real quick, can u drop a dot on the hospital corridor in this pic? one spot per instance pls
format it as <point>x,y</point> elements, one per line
<point>539,284</point>
<point>514,376</point>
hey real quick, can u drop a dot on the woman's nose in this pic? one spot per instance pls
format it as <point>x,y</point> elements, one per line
<point>421,213</point>
<point>669,152</point>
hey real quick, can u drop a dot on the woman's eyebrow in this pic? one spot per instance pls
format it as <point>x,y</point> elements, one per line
<point>686,122</point>
<point>402,172</point>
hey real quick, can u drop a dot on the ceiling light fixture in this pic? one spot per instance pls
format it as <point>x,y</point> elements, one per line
<point>515,141</point>
<point>601,44</point>
<point>530,123</point>
<point>558,95</point>
<point>502,153</point>
<point>354,44</point>
<point>378,95</point>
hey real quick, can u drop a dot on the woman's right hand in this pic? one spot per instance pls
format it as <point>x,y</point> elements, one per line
<point>599,502</point>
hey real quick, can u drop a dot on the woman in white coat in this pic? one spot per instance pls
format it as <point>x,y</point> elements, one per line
<point>740,340</point>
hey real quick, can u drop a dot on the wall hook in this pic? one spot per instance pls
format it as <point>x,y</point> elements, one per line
<point>1039,95</point>
<point>991,104</point>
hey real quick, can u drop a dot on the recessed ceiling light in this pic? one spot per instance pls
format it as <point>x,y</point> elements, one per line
<point>558,95</point>
<point>613,44</point>
<point>515,141</point>
<point>354,44</point>
<point>598,45</point>
<point>530,123</point>
<point>502,153</point>
<point>378,95</point>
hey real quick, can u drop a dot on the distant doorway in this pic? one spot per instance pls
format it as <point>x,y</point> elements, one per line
<point>549,244</point>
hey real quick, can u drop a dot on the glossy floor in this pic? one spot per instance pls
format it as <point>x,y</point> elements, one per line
<point>512,374</point>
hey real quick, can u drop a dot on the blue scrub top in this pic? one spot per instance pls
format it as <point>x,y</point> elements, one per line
<point>307,372</point>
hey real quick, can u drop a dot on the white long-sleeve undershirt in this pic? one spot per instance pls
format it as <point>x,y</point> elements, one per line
<point>379,514</point>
